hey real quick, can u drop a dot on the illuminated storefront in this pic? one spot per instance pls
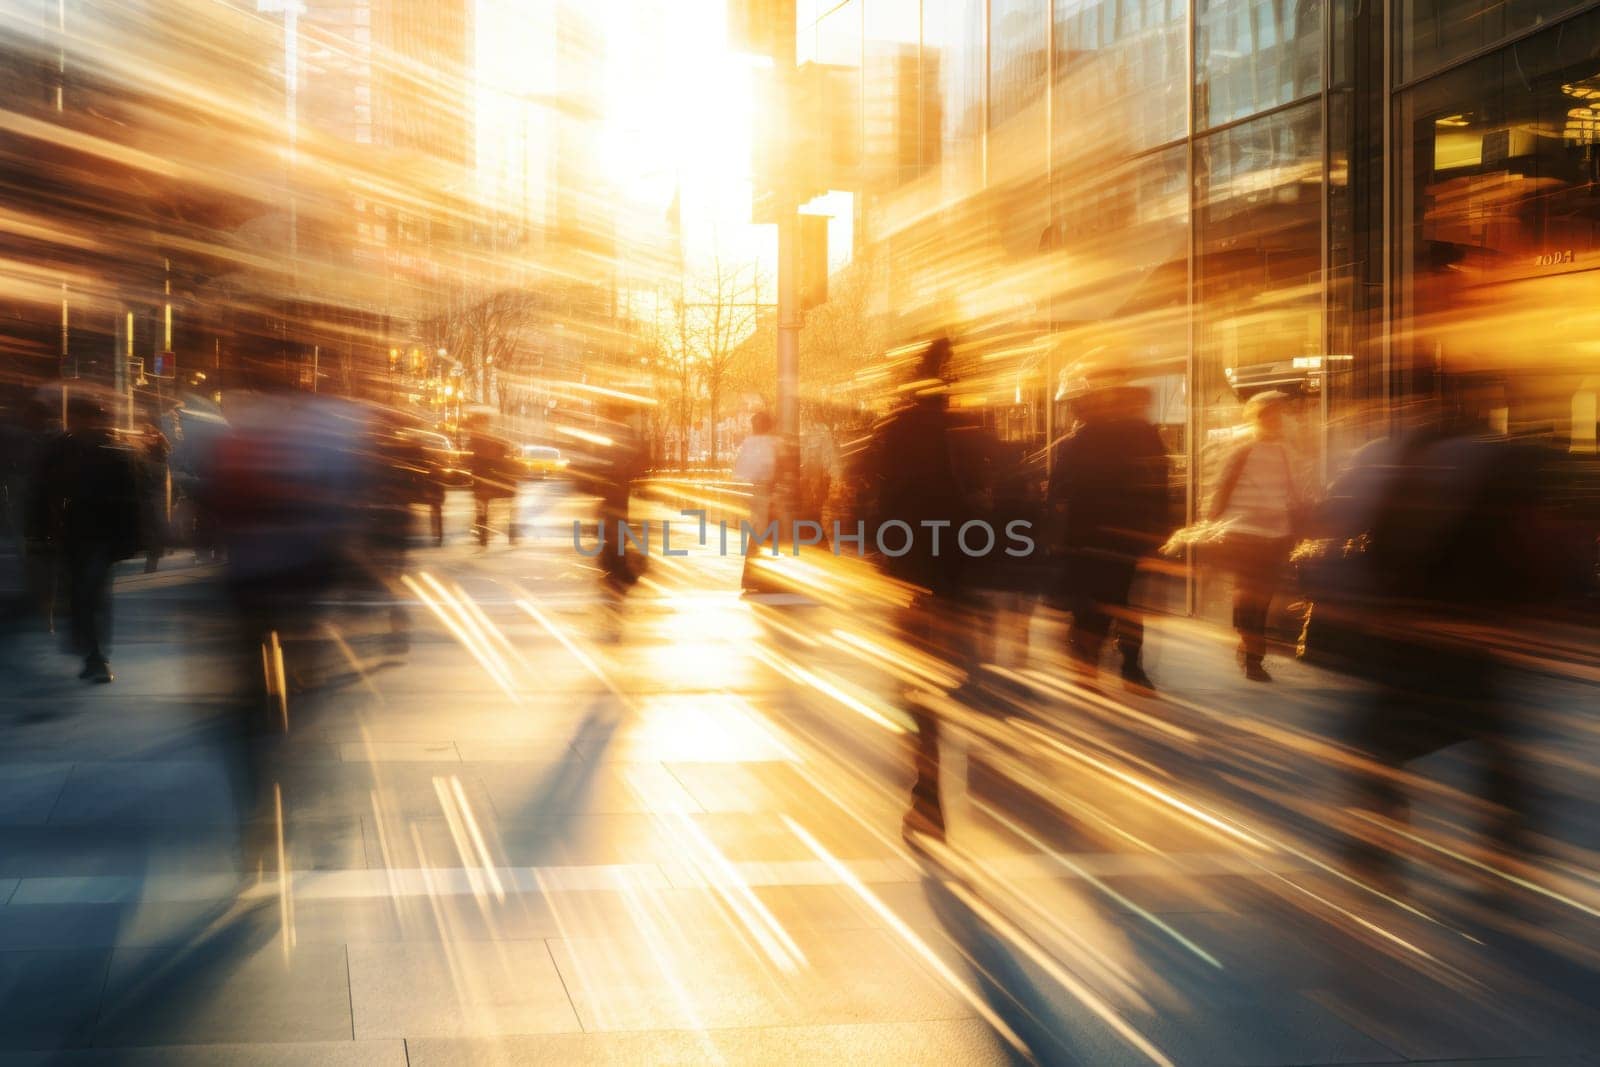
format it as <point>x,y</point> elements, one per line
<point>1331,197</point>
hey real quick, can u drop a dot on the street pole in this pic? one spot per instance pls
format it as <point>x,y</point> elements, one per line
<point>788,242</point>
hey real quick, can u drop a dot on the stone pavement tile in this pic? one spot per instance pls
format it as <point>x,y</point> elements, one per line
<point>771,786</point>
<point>578,787</point>
<point>322,1053</point>
<point>692,979</point>
<point>29,790</point>
<point>462,988</point>
<point>149,925</point>
<point>81,926</point>
<point>938,1043</point>
<point>171,792</point>
<point>694,727</point>
<point>232,983</point>
<point>48,999</point>
<point>487,724</point>
<point>404,789</point>
<point>61,851</point>
<point>692,839</point>
<point>1433,1022</point>
<point>398,752</point>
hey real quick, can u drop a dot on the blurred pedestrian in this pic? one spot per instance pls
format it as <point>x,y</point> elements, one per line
<point>756,464</point>
<point>494,477</point>
<point>614,472</point>
<point>89,496</point>
<point>1260,501</point>
<point>1108,500</point>
<point>911,477</point>
<point>1434,537</point>
<point>155,455</point>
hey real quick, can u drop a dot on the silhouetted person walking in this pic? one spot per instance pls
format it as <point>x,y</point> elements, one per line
<point>90,494</point>
<point>1435,536</point>
<point>912,478</point>
<point>494,477</point>
<point>1108,493</point>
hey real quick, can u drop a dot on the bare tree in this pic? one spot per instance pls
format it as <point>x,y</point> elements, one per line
<point>483,330</point>
<point>721,315</point>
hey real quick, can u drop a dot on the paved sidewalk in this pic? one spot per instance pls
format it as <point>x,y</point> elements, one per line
<point>565,831</point>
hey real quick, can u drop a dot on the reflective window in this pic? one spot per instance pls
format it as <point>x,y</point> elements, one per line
<point>837,89</point>
<point>1120,75</point>
<point>1251,55</point>
<point>1434,32</point>
<point>1122,239</point>
<point>1018,38</point>
<point>1258,261</point>
<point>1500,219</point>
<point>891,105</point>
<point>952,73</point>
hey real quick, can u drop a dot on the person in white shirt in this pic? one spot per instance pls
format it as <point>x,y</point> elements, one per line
<point>1259,498</point>
<point>757,464</point>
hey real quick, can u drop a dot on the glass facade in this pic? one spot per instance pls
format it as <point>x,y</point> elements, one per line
<point>1330,197</point>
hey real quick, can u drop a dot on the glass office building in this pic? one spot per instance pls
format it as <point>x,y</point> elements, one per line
<point>1338,198</point>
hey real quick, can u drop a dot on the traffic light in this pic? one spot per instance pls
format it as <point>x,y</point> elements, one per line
<point>813,261</point>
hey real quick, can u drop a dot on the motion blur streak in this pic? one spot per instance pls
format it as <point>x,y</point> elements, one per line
<point>906,934</point>
<point>358,703</point>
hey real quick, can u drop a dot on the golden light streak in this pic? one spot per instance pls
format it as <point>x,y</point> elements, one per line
<point>906,934</point>
<point>280,685</point>
<point>459,632</point>
<point>1523,883</point>
<point>1122,901</point>
<point>732,888</point>
<point>1144,787</point>
<point>285,888</point>
<point>1085,996</point>
<point>793,671</point>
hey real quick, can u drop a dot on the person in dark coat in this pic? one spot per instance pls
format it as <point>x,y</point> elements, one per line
<point>1440,535</point>
<point>911,477</point>
<point>1108,498</point>
<point>494,477</point>
<point>88,493</point>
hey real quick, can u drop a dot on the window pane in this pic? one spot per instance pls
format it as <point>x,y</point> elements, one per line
<point>1251,55</point>
<point>891,108</point>
<point>1434,32</point>
<point>1500,222</point>
<point>952,71</point>
<point>1120,76</point>
<point>1018,37</point>
<point>1258,261</point>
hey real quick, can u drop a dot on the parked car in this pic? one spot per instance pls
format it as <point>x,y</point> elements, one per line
<point>446,463</point>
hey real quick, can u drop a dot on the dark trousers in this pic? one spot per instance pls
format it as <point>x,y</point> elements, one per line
<point>1433,699</point>
<point>1097,593</point>
<point>482,521</point>
<point>89,572</point>
<point>1257,567</point>
<point>436,521</point>
<point>947,628</point>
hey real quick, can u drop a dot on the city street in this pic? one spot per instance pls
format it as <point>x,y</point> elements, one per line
<point>567,827</point>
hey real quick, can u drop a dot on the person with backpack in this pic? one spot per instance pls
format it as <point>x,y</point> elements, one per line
<point>1259,501</point>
